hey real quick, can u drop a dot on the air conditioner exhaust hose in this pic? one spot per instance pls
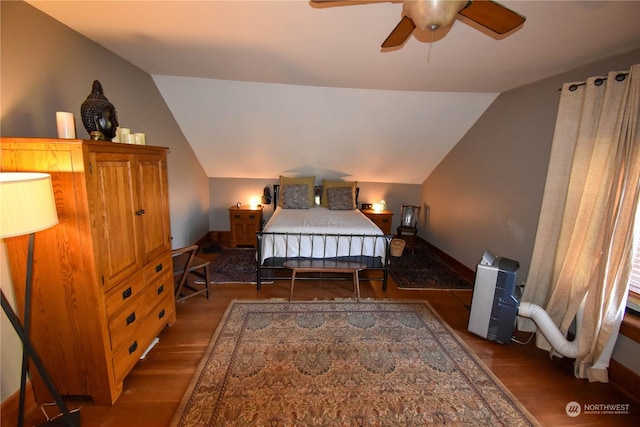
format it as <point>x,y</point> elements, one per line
<point>549,329</point>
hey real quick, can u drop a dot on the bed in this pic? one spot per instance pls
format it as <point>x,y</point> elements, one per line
<point>320,231</point>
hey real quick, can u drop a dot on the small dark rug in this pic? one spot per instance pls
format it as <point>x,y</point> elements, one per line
<point>424,270</point>
<point>234,266</point>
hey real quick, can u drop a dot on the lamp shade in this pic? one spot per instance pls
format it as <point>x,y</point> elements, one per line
<point>27,203</point>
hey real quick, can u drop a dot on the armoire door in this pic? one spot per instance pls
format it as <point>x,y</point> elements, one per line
<point>153,199</point>
<point>115,216</point>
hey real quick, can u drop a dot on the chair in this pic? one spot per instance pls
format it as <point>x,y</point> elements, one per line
<point>409,215</point>
<point>186,263</point>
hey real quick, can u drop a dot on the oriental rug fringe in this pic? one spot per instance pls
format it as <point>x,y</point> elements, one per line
<point>342,363</point>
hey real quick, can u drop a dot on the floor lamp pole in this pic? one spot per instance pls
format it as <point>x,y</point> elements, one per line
<point>28,350</point>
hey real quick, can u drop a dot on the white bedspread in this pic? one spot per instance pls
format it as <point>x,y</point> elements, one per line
<point>350,225</point>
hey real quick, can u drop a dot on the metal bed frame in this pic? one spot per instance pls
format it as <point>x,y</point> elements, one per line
<point>267,269</point>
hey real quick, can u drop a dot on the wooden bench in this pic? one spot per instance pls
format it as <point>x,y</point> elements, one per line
<point>325,266</point>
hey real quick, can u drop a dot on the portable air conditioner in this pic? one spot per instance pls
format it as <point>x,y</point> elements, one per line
<point>496,299</point>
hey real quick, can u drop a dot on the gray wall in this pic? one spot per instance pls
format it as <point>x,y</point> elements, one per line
<point>487,192</point>
<point>47,67</point>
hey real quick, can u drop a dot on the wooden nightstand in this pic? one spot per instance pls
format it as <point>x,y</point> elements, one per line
<point>245,222</point>
<point>382,219</point>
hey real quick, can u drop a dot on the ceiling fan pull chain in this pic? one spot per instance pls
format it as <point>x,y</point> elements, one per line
<point>430,46</point>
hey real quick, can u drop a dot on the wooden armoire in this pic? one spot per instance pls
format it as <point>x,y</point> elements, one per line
<point>102,277</point>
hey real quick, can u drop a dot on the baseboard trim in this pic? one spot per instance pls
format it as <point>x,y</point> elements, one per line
<point>454,264</point>
<point>9,408</point>
<point>624,379</point>
<point>214,237</point>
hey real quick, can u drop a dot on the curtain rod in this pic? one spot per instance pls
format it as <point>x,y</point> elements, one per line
<point>598,82</point>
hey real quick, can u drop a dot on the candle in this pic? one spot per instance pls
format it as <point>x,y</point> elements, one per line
<point>66,125</point>
<point>140,138</point>
<point>122,134</point>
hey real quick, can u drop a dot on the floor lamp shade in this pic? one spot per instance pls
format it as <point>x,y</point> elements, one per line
<point>27,203</point>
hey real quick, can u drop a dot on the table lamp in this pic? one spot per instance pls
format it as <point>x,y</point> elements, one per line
<point>27,205</point>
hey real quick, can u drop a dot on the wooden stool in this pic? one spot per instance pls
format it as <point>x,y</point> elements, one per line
<point>328,266</point>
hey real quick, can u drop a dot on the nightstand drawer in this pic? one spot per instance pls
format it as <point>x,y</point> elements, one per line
<point>382,219</point>
<point>244,216</point>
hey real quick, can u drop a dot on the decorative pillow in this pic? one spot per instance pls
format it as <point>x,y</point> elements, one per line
<point>295,196</point>
<point>326,184</point>
<point>310,181</point>
<point>341,198</point>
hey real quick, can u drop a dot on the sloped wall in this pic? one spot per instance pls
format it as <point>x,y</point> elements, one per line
<point>47,67</point>
<point>487,192</point>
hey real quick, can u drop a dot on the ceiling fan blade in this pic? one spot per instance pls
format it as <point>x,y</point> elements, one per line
<point>350,2</point>
<point>492,16</point>
<point>400,33</point>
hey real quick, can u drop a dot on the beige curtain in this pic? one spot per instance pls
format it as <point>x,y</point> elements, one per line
<point>585,232</point>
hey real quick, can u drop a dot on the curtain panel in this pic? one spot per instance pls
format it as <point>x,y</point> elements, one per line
<point>584,241</point>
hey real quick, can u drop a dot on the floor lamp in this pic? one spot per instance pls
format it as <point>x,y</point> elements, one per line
<point>27,205</point>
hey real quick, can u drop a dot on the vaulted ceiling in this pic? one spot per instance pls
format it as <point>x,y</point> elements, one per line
<point>293,87</point>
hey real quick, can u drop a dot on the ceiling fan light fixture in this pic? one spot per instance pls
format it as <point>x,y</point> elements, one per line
<point>432,14</point>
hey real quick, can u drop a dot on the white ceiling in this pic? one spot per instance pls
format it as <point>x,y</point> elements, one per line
<point>406,106</point>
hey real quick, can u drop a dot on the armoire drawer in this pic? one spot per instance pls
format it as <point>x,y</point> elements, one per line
<point>157,268</point>
<point>124,294</point>
<point>129,353</point>
<point>125,322</point>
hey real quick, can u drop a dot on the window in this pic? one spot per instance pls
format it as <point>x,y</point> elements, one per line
<point>635,273</point>
<point>634,285</point>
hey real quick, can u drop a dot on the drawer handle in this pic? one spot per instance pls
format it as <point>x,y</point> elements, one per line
<point>160,289</point>
<point>140,212</point>
<point>127,293</point>
<point>159,268</point>
<point>161,314</point>
<point>133,347</point>
<point>131,318</point>
<point>385,220</point>
<point>252,216</point>
<point>236,216</point>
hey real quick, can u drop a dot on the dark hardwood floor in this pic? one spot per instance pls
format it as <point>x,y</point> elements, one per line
<point>156,385</point>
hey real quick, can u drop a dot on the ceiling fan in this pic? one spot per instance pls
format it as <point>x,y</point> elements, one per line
<point>435,14</point>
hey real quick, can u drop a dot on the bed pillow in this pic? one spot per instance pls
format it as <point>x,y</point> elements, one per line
<point>295,196</point>
<point>341,199</point>
<point>309,181</point>
<point>327,184</point>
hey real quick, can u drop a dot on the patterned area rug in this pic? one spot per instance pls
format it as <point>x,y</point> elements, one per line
<point>424,270</point>
<point>234,266</point>
<point>342,363</point>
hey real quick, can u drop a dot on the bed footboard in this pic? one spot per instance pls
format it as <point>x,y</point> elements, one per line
<point>274,248</point>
